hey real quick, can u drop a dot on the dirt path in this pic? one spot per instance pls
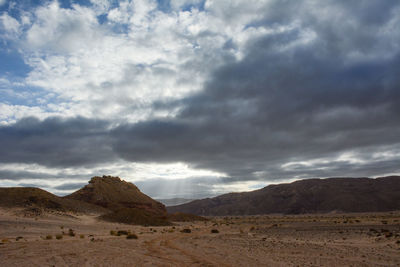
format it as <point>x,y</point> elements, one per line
<point>167,248</point>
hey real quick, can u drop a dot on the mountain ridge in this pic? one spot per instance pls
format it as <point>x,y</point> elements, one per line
<point>304,196</point>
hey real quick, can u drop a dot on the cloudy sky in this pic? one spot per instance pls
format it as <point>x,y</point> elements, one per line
<point>194,98</point>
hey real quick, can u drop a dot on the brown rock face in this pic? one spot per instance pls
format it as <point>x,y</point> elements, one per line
<point>115,194</point>
<point>305,196</point>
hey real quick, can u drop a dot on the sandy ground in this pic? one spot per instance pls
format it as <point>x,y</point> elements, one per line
<point>306,240</point>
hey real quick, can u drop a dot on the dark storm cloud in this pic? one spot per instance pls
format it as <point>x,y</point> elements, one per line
<point>16,175</point>
<point>55,142</point>
<point>287,102</point>
<point>328,85</point>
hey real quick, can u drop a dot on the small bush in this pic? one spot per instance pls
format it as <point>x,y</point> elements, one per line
<point>186,230</point>
<point>214,231</point>
<point>71,232</point>
<point>131,236</point>
<point>389,234</point>
<point>81,236</point>
<point>112,232</point>
<point>122,232</point>
<point>5,240</point>
<point>59,236</point>
<point>18,238</point>
<point>48,237</point>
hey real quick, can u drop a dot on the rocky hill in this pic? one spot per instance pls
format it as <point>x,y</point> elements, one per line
<point>110,197</point>
<point>124,200</point>
<point>113,193</point>
<point>304,196</point>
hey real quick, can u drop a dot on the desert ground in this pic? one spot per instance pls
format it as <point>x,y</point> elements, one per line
<point>45,239</point>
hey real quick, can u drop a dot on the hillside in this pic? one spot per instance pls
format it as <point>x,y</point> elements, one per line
<point>304,196</point>
<point>124,200</point>
<point>36,198</point>
<point>113,193</point>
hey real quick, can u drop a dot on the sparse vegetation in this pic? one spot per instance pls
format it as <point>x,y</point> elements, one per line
<point>186,230</point>
<point>81,236</point>
<point>59,236</point>
<point>112,232</point>
<point>214,231</point>
<point>48,237</point>
<point>18,238</point>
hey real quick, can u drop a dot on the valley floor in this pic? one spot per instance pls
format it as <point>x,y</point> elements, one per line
<point>303,240</point>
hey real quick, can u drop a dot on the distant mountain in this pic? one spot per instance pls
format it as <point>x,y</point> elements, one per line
<point>174,201</point>
<point>304,196</point>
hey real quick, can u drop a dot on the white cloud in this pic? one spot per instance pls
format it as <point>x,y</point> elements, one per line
<point>119,68</point>
<point>11,113</point>
<point>2,2</point>
<point>101,6</point>
<point>9,25</point>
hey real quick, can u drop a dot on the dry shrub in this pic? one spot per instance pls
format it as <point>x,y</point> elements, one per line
<point>214,231</point>
<point>122,232</point>
<point>186,230</point>
<point>71,232</point>
<point>59,236</point>
<point>131,236</point>
<point>48,237</point>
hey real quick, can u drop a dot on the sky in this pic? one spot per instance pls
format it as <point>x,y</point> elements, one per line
<point>195,98</point>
